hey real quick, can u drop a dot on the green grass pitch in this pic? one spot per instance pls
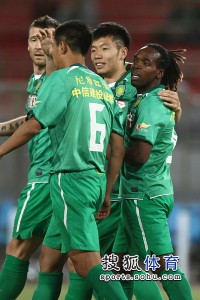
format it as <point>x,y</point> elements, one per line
<point>29,288</point>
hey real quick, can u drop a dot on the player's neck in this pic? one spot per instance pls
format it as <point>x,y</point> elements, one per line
<point>38,70</point>
<point>110,78</point>
<point>72,59</point>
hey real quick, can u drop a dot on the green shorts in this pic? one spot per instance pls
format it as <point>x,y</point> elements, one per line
<point>34,211</point>
<point>120,244</point>
<point>145,227</point>
<point>108,227</point>
<point>76,199</point>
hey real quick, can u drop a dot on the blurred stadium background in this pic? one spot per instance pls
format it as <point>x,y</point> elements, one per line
<point>174,24</point>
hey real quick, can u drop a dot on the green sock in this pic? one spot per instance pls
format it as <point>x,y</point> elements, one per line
<point>49,286</point>
<point>79,289</point>
<point>105,289</point>
<point>13,277</point>
<point>128,287</point>
<point>177,289</point>
<point>146,289</point>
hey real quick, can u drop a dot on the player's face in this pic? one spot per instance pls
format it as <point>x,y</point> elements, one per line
<point>106,55</point>
<point>145,75</point>
<point>34,48</point>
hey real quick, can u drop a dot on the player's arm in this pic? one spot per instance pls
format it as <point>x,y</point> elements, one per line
<point>116,157</point>
<point>171,100</point>
<point>115,160</point>
<point>138,153</point>
<point>46,40</point>
<point>21,136</point>
<point>7,128</point>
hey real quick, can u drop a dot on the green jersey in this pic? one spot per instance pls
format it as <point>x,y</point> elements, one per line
<point>124,94</point>
<point>79,105</point>
<point>39,147</point>
<point>151,121</point>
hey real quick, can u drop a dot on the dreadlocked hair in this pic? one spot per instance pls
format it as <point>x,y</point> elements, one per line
<point>168,61</point>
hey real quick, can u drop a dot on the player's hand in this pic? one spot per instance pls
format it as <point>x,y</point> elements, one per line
<point>104,210</point>
<point>46,40</point>
<point>170,99</point>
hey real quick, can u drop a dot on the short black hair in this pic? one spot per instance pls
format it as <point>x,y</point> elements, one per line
<point>76,34</point>
<point>115,30</point>
<point>45,22</point>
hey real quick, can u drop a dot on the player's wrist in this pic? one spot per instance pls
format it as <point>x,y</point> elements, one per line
<point>177,109</point>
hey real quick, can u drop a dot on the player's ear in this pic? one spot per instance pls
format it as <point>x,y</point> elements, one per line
<point>160,73</point>
<point>63,47</point>
<point>124,53</point>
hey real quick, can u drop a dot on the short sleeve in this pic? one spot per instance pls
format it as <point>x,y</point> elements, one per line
<point>149,119</point>
<point>118,122</point>
<point>51,101</point>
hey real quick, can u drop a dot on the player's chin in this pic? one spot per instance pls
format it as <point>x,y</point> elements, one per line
<point>101,71</point>
<point>40,64</point>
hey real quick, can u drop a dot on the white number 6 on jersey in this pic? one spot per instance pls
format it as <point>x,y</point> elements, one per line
<point>96,127</point>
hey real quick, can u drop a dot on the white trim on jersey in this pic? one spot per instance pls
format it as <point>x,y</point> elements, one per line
<point>161,195</point>
<point>169,159</point>
<point>72,68</point>
<point>43,182</point>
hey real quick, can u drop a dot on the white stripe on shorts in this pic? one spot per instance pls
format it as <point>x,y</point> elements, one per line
<point>24,206</point>
<point>62,196</point>
<point>141,227</point>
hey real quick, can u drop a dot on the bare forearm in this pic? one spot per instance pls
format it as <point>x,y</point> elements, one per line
<point>9,127</point>
<point>20,137</point>
<point>113,169</point>
<point>132,157</point>
<point>178,114</point>
<point>137,154</point>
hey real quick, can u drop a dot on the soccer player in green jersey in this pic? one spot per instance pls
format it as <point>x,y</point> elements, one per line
<point>34,207</point>
<point>146,184</point>
<point>110,46</point>
<point>79,106</point>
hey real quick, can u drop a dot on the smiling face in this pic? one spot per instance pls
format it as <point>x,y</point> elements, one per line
<point>145,74</point>
<point>108,57</point>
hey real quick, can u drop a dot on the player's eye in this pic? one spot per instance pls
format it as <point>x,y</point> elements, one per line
<point>33,40</point>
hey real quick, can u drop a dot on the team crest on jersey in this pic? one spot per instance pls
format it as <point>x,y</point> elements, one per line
<point>142,126</point>
<point>32,101</point>
<point>120,90</point>
<point>121,103</point>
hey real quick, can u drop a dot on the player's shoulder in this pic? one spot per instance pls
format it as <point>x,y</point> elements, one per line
<point>151,102</point>
<point>152,98</point>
